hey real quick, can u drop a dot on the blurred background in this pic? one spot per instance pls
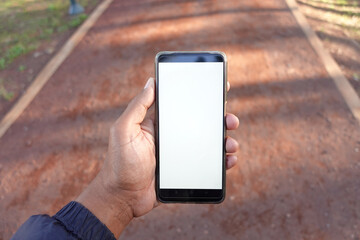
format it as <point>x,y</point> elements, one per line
<point>298,173</point>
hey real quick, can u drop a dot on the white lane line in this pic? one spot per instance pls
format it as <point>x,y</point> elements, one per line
<point>45,74</point>
<point>347,91</point>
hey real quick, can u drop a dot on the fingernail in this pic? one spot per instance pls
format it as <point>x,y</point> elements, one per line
<point>148,83</point>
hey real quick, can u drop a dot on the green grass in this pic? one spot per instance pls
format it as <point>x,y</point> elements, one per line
<point>8,96</point>
<point>356,76</point>
<point>22,68</point>
<point>25,24</point>
<point>339,2</point>
<point>343,13</point>
<point>4,94</point>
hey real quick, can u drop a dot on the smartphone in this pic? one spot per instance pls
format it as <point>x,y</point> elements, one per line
<point>190,126</point>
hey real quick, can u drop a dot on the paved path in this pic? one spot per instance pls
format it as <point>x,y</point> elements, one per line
<point>298,175</point>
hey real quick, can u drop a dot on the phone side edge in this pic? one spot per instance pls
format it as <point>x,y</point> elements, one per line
<point>224,124</point>
<point>157,172</point>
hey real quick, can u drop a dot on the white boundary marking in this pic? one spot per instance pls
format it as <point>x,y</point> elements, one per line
<point>45,74</point>
<point>347,91</point>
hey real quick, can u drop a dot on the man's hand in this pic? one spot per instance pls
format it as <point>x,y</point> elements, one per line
<point>125,186</point>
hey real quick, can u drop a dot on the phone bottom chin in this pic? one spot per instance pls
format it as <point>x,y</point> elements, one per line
<point>191,200</point>
<point>191,195</point>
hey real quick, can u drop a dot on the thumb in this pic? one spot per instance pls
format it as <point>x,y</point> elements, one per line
<point>137,108</point>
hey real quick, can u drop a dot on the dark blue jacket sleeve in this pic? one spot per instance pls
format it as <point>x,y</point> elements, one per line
<point>73,221</point>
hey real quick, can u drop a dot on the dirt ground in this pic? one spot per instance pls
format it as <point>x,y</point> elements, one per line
<point>299,161</point>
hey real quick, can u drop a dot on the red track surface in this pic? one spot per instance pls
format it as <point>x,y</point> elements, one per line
<point>298,175</point>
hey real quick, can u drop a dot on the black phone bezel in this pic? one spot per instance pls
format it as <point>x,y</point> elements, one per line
<point>190,195</point>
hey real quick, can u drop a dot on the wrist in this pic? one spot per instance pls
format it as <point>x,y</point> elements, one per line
<point>110,207</point>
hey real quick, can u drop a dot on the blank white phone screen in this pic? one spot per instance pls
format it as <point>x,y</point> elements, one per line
<point>191,120</point>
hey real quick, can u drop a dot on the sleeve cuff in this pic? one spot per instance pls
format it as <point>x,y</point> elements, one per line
<point>81,222</point>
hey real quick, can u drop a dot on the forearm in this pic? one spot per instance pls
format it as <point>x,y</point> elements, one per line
<point>108,206</point>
